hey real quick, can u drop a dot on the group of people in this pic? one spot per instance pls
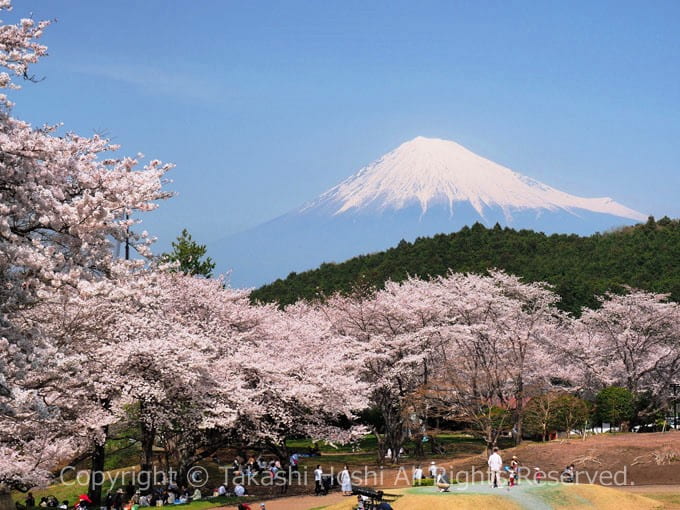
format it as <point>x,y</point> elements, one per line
<point>496,465</point>
<point>224,490</point>
<point>256,466</point>
<point>132,499</point>
<point>53,502</point>
<point>438,475</point>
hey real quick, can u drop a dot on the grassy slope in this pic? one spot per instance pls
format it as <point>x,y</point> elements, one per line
<point>670,501</point>
<point>582,497</point>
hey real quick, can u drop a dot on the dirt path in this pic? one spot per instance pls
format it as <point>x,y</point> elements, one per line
<point>673,489</point>
<point>296,502</point>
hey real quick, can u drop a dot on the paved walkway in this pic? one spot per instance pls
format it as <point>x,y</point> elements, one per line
<point>524,494</point>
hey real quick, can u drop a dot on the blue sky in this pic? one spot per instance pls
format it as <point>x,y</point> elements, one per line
<point>264,105</point>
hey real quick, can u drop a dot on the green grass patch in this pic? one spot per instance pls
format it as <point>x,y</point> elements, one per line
<point>71,493</point>
<point>557,496</point>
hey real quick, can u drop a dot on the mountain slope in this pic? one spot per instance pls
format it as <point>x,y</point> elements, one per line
<point>422,188</point>
<point>646,256</point>
<point>430,171</point>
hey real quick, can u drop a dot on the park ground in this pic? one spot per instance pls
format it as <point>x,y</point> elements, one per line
<point>648,465</point>
<point>550,496</point>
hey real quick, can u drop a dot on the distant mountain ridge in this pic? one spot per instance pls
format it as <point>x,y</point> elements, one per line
<point>422,188</point>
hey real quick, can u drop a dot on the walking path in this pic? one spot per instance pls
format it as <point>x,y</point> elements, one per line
<point>297,502</point>
<point>524,494</point>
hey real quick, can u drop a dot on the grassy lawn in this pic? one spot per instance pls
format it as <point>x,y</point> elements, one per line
<point>71,493</point>
<point>451,443</point>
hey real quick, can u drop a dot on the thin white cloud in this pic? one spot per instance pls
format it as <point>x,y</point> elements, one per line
<point>156,81</point>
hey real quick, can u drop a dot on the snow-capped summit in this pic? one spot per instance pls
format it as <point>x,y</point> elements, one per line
<point>430,171</point>
<point>424,187</point>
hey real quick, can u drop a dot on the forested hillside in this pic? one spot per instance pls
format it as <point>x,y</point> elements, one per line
<point>646,256</point>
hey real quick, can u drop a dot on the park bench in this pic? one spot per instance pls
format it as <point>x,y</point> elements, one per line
<point>375,497</point>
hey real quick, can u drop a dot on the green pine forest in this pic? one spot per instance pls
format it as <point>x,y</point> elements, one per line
<point>645,256</point>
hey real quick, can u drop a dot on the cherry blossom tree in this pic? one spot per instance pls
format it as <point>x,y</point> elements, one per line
<point>527,325</point>
<point>184,370</point>
<point>297,379</point>
<point>63,199</point>
<point>631,341</point>
<point>391,335</point>
<point>496,330</point>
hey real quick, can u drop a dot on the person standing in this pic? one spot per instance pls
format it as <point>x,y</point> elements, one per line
<point>118,500</point>
<point>318,479</point>
<point>495,463</point>
<point>346,482</point>
<point>417,476</point>
<point>433,469</point>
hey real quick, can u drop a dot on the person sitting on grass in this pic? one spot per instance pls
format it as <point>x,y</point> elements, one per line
<point>569,474</point>
<point>236,469</point>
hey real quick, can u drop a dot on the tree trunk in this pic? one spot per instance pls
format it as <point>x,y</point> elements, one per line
<point>6,502</point>
<point>419,451</point>
<point>394,432</point>
<point>489,440</point>
<point>148,437</point>
<point>280,450</point>
<point>97,470</point>
<point>519,410</point>
<point>380,448</point>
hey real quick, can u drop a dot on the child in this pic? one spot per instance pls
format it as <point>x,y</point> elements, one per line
<point>514,465</point>
<point>538,475</point>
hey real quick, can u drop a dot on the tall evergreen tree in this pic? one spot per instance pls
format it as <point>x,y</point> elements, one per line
<point>189,254</point>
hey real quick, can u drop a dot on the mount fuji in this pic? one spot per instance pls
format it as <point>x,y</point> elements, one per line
<point>423,187</point>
